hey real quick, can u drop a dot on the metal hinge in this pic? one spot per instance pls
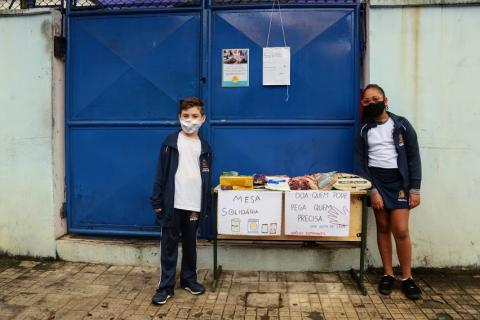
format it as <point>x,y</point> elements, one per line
<point>59,47</point>
<point>63,210</point>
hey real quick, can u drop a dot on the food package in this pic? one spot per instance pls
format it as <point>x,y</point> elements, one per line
<point>351,182</point>
<point>325,181</point>
<point>230,173</point>
<point>236,182</point>
<point>307,182</point>
<point>278,183</point>
<point>259,180</point>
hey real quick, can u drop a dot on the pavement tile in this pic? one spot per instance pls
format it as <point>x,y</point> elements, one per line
<point>301,287</point>
<point>68,290</point>
<point>245,276</point>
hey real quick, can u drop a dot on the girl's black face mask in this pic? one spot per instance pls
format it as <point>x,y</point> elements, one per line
<point>374,109</point>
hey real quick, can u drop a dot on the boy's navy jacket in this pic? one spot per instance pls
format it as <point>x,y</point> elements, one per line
<point>406,143</point>
<point>164,186</point>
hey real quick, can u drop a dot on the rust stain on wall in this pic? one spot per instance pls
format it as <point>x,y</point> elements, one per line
<point>404,52</point>
<point>416,57</point>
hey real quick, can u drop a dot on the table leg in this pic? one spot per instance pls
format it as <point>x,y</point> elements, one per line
<point>359,276</point>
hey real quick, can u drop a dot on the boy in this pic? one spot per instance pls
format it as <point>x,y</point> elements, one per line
<point>181,197</point>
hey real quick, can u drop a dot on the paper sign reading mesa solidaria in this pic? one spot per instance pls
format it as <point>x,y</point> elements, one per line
<point>317,213</point>
<point>251,213</point>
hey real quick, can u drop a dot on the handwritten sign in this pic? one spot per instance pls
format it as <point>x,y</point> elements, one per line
<point>276,66</point>
<point>251,213</point>
<point>317,213</point>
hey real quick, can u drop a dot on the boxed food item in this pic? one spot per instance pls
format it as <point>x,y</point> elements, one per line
<point>351,182</point>
<point>259,180</point>
<point>236,182</point>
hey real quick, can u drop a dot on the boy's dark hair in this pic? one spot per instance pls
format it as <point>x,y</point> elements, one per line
<point>191,102</point>
<point>373,86</point>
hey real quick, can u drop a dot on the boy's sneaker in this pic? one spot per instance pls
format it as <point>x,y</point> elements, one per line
<point>162,295</point>
<point>411,290</point>
<point>385,285</point>
<point>193,287</point>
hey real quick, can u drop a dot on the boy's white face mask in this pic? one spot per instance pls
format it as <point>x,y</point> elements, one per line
<point>191,126</point>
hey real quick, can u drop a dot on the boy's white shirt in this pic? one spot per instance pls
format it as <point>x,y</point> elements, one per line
<point>188,180</point>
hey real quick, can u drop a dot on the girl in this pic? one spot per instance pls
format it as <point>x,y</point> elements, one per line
<point>387,154</point>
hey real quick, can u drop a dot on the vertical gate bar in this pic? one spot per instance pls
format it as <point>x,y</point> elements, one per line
<point>203,92</point>
<point>216,269</point>
<point>66,116</point>
<point>356,95</point>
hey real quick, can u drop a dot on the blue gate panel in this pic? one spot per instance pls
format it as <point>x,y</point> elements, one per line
<point>282,149</point>
<point>126,74</point>
<point>132,67</point>
<point>112,177</point>
<point>323,62</point>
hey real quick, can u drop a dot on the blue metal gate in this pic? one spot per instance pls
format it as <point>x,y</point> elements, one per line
<point>127,70</point>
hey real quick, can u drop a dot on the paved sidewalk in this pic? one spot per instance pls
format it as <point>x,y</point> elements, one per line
<point>66,290</point>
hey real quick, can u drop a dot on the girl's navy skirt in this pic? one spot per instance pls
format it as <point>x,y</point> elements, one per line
<point>390,185</point>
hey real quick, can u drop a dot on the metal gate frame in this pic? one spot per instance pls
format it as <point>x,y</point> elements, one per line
<point>206,10</point>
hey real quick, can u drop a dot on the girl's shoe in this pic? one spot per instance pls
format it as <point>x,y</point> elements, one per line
<point>410,289</point>
<point>385,285</point>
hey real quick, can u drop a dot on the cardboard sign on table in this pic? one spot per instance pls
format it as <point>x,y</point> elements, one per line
<point>250,213</point>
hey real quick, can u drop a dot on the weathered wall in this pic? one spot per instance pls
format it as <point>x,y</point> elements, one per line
<point>428,61</point>
<point>31,134</point>
<point>426,57</point>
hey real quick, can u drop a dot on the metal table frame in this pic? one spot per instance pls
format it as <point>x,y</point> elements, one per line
<point>358,275</point>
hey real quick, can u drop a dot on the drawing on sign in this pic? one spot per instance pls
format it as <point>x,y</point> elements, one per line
<point>334,215</point>
<point>273,228</point>
<point>252,225</point>
<point>235,225</point>
<point>265,228</point>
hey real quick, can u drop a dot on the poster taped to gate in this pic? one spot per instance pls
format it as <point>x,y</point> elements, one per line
<point>235,67</point>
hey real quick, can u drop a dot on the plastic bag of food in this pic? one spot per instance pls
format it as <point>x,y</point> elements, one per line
<point>278,183</point>
<point>307,182</point>
<point>325,181</point>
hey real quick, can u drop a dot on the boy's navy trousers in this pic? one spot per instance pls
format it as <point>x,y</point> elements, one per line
<point>184,223</point>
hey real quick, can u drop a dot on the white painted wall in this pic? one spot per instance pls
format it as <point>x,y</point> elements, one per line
<point>428,61</point>
<point>31,156</point>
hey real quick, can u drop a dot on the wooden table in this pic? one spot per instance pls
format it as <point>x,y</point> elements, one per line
<point>357,236</point>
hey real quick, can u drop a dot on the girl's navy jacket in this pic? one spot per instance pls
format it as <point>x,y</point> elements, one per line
<point>406,143</point>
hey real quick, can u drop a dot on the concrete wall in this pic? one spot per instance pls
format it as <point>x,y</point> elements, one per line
<point>428,61</point>
<point>31,134</point>
<point>426,57</point>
